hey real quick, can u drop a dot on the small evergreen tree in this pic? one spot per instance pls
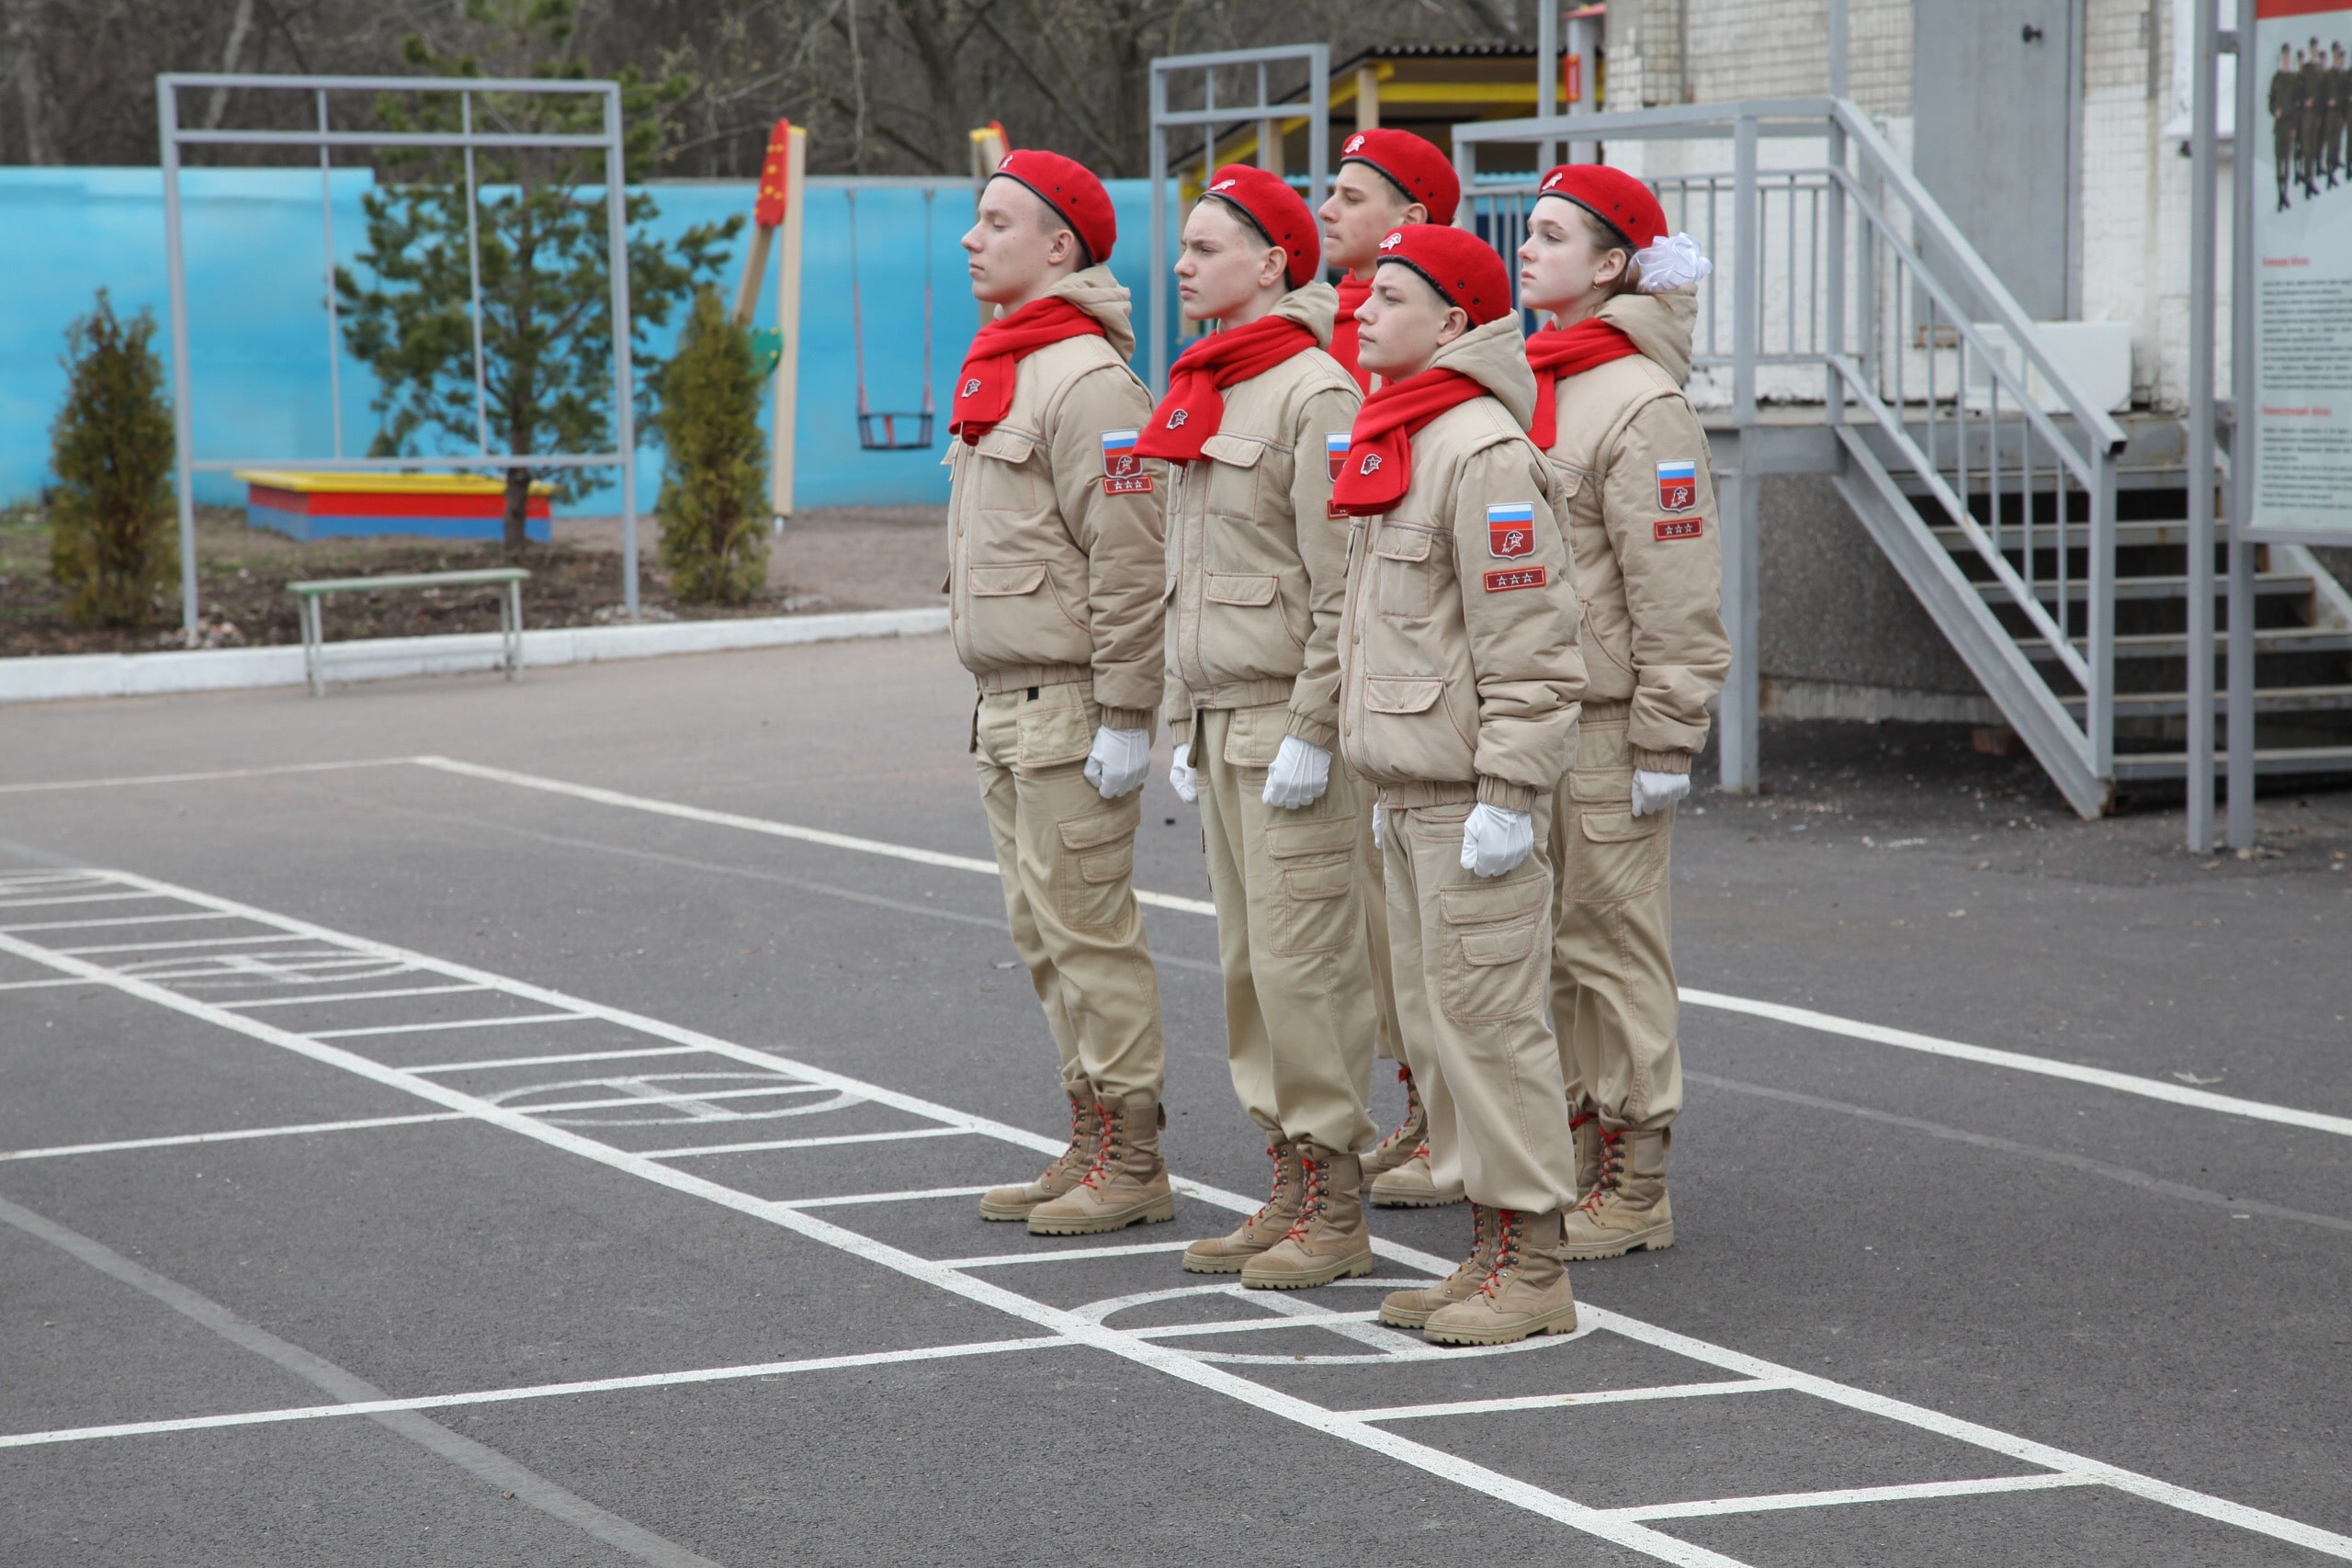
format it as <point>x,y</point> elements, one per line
<point>111,544</point>
<point>714,504</point>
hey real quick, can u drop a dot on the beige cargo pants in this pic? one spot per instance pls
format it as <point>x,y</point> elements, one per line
<point>1299,1021</point>
<point>1068,859</point>
<point>1470,959</point>
<point>1613,998</point>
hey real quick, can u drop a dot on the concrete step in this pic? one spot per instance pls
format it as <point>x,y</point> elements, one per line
<point>2175,645</point>
<point>2267,699</point>
<point>2268,761</point>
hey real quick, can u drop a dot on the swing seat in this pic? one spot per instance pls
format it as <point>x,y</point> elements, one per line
<point>894,432</point>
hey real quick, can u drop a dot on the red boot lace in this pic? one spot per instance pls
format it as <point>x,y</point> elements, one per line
<point>1105,1146</point>
<point>1478,1238</point>
<point>1275,1198</point>
<point>1611,1171</point>
<point>1310,1199</point>
<point>1507,1222</point>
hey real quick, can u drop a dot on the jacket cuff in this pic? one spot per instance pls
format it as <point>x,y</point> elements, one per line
<point>1128,718</point>
<point>1650,761</point>
<point>1495,791</point>
<point>1314,731</point>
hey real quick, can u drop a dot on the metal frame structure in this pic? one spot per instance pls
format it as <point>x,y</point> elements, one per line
<point>175,136</point>
<point>1898,339</point>
<point>1265,110</point>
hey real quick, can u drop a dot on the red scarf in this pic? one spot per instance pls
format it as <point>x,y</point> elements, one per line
<point>984,387</point>
<point>1556,352</point>
<point>1380,448</point>
<point>1192,410</point>
<point>1345,331</point>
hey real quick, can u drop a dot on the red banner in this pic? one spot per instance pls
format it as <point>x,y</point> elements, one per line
<point>775,176</point>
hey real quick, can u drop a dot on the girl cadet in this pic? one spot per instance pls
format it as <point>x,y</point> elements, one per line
<point>1055,579</point>
<point>1257,567</point>
<point>1460,679</point>
<point>1642,520</point>
<point>1386,180</point>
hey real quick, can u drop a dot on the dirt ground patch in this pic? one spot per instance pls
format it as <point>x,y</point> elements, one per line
<point>847,558</point>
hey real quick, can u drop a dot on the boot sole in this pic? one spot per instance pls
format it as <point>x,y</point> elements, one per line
<point>1396,1318</point>
<point>1555,1324</point>
<point>1351,1268</point>
<point>1641,1241</point>
<point>1216,1265</point>
<point>1001,1212</point>
<point>1415,1200</point>
<point>1152,1213</point>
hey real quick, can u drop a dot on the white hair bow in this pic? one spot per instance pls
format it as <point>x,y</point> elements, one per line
<point>1672,262</point>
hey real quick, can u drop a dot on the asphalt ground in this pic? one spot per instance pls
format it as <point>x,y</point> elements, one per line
<point>2038,1206</point>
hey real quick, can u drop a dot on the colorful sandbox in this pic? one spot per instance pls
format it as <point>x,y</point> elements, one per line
<point>446,506</point>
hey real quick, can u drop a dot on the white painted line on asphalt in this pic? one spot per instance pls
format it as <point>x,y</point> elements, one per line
<point>119,921</point>
<point>234,1136</point>
<point>1253,1325</point>
<point>72,898</point>
<point>448,1023</point>
<point>549,1061</point>
<point>764,826</point>
<point>533,1391</point>
<point>202,777</point>
<point>911,1195</point>
<point>1904,1038</point>
<point>1829,1024</point>
<point>652,1098</point>
<point>1555,1401</point>
<point>1128,1346</point>
<point>1917,1492</point>
<point>1064,1255</point>
<point>809,1144</point>
<point>192,941</point>
<point>349,997</point>
<point>39,985</point>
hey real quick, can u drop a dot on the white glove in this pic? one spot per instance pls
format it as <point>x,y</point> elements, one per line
<point>1495,841</point>
<point>1656,792</point>
<point>1669,263</point>
<point>1302,772</point>
<point>1183,778</point>
<point>1375,827</point>
<point>1119,760</point>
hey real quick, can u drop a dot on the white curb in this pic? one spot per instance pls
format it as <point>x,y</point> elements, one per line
<point>60,677</point>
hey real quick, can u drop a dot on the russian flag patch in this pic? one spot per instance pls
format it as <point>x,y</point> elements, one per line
<point>1511,531</point>
<point>1335,451</point>
<point>1123,471</point>
<point>1678,486</point>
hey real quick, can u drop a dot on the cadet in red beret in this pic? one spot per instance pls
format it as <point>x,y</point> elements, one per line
<point>1459,680</point>
<point>1055,580</point>
<point>1387,179</point>
<point>1642,526</point>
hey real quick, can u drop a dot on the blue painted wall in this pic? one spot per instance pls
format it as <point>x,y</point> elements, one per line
<point>257,324</point>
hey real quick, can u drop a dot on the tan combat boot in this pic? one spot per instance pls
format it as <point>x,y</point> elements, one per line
<point>1226,1254</point>
<point>1127,1185</point>
<point>1016,1202</point>
<point>1626,1208</point>
<point>1398,1147</point>
<point>1586,1125</point>
<point>1525,1293</point>
<point>1411,1309</point>
<point>1328,1241</point>
<point>1410,1185</point>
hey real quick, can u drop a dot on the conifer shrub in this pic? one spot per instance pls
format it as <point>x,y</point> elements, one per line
<point>714,502</point>
<point>112,547</point>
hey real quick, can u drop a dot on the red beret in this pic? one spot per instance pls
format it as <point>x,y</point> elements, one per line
<point>1070,188</point>
<point>1462,267</point>
<point>1276,211</point>
<point>1412,164</point>
<point>1614,196</point>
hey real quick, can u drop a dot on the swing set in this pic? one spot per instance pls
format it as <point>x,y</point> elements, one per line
<point>898,431</point>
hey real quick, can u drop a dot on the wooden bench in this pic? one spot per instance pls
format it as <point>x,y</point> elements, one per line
<point>312,595</point>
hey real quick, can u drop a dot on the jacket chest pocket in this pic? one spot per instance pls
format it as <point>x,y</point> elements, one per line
<point>1403,570</point>
<point>1001,476</point>
<point>1229,475</point>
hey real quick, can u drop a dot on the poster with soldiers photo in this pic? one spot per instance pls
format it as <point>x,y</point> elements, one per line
<point>2302,285</point>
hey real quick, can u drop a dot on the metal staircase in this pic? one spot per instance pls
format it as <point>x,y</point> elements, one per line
<point>2048,552</point>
